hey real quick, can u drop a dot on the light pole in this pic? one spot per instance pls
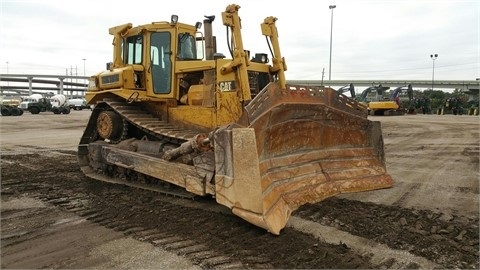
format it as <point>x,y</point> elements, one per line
<point>84,59</point>
<point>8,83</point>
<point>331,32</point>
<point>433,56</point>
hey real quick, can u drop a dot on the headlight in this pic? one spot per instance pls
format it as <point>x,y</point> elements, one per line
<point>92,84</point>
<point>174,19</point>
<point>260,58</point>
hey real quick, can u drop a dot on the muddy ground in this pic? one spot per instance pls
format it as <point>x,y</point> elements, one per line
<point>54,217</point>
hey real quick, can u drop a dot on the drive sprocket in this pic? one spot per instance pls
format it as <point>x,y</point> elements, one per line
<point>110,125</point>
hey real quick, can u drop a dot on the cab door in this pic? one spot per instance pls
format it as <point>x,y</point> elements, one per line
<point>160,64</point>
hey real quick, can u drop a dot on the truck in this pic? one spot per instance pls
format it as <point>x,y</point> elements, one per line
<point>59,104</point>
<point>175,116</point>
<point>56,104</point>
<point>78,104</point>
<point>33,98</point>
<point>10,107</point>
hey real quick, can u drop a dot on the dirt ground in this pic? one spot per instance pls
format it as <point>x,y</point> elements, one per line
<point>54,217</point>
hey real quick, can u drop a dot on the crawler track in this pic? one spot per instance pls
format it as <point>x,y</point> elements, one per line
<point>133,117</point>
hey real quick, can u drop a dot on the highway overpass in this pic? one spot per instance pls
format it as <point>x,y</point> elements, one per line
<point>27,84</point>
<point>423,84</point>
<point>37,83</point>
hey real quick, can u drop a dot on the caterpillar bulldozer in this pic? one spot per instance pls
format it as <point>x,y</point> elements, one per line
<point>174,116</point>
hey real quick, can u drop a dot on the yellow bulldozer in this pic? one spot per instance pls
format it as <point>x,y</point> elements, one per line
<point>175,116</point>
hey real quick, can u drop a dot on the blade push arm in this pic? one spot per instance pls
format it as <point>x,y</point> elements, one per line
<point>278,62</point>
<point>240,57</point>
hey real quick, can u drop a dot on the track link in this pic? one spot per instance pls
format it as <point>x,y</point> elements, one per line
<point>149,123</point>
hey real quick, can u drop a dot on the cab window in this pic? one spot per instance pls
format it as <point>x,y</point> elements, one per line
<point>134,50</point>
<point>186,47</point>
<point>160,52</point>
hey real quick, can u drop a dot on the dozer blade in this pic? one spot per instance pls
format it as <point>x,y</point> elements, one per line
<point>295,146</point>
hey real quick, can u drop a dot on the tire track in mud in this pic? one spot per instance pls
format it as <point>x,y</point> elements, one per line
<point>434,163</point>
<point>401,201</point>
<point>213,238</point>
<point>210,239</point>
<point>449,241</point>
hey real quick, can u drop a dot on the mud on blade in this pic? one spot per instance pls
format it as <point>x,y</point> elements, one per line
<point>296,146</point>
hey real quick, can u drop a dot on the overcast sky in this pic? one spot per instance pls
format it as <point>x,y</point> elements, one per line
<point>371,39</point>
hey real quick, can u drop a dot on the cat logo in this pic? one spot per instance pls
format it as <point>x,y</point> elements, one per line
<point>228,86</point>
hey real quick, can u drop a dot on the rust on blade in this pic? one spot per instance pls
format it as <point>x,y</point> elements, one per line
<point>304,145</point>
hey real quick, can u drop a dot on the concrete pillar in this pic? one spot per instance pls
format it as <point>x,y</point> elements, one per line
<point>30,88</point>
<point>61,85</point>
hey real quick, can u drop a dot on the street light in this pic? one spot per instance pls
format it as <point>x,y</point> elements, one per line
<point>433,56</point>
<point>331,32</point>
